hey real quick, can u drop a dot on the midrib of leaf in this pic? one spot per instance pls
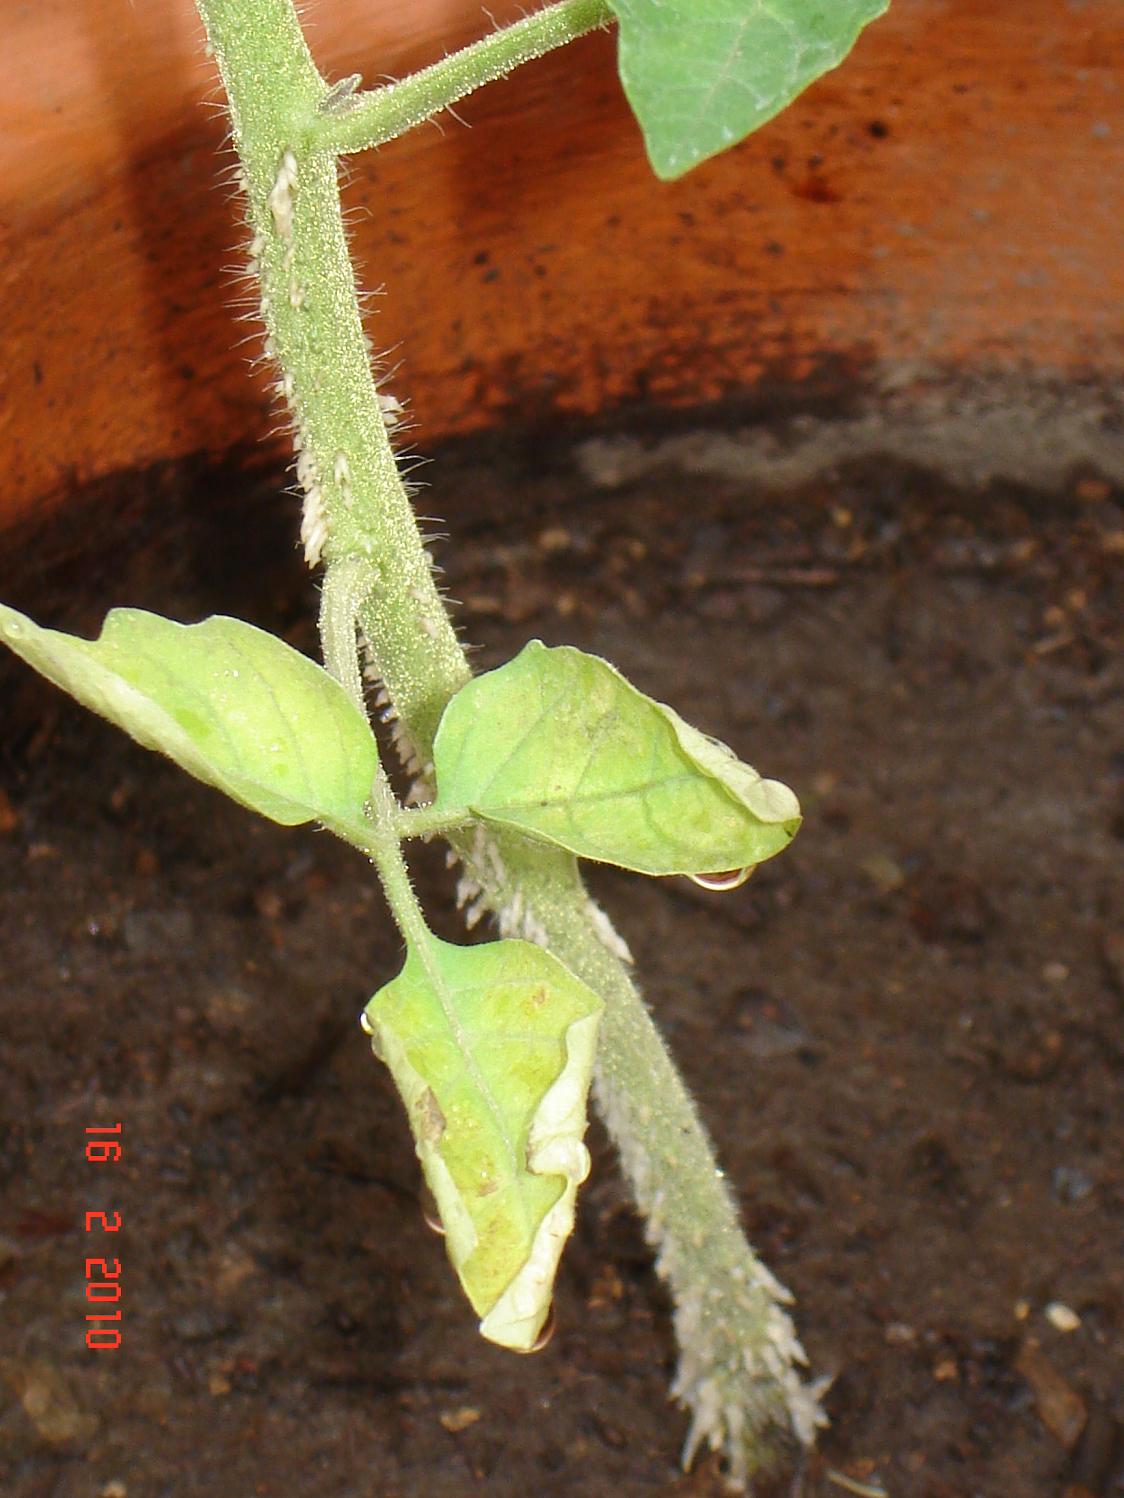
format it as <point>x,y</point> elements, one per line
<point>641,791</point>
<point>212,714</point>
<point>177,688</point>
<point>460,1037</point>
<point>529,732</point>
<point>286,723</point>
<point>725,73</point>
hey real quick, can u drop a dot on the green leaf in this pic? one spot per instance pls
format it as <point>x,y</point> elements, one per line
<point>492,1050</point>
<point>703,74</point>
<point>559,745</point>
<point>232,705</point>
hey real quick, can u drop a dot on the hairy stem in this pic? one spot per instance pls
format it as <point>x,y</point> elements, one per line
<point>356,504</point>
<point>428,821</point>
<point>738,1346</point>
<point>347,584</point>
<point>353,121</point>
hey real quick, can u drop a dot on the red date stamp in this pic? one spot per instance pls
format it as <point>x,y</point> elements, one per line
<point>103,1275</point>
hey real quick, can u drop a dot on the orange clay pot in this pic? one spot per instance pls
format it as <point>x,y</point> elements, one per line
<point>945,202</point>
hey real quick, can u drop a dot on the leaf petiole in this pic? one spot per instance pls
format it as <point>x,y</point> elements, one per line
<point>360,120</point>
<point>348,583</point>
<point>429,821</point>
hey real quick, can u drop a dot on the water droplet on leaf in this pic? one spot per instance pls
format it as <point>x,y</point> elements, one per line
<point>721,882</point>
<point>544,1337</point>
<point>430,1213</point>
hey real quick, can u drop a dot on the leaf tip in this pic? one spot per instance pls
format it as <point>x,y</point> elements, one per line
<point>775,803</point>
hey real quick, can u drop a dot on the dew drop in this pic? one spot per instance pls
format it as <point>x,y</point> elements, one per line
<point>430,1214</point>
<point>727,880</point>
<point>544,1337</point>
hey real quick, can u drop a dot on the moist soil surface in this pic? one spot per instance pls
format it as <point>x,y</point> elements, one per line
<point>904,1034</point>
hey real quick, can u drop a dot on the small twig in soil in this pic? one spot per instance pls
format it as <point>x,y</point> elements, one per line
<point>778,577</point>
<point>864,1489</point>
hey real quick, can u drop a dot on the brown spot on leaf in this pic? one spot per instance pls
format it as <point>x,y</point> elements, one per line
<point>431,1121</point>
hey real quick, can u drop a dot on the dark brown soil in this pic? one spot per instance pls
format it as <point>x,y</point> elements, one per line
<point>905,1034</point>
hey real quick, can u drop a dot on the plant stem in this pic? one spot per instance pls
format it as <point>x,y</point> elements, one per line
<point>385,852</point>
<point>425,821</point>
<point>346,588</point>
<point>738,1346</point>
<point>369,119</point>
<point>346,585</point>
<point>355,502</point>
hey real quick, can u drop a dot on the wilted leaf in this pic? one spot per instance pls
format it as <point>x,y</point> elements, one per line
<point>492,1050</point>
<point>558,744</point>
<point>232,705</point>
